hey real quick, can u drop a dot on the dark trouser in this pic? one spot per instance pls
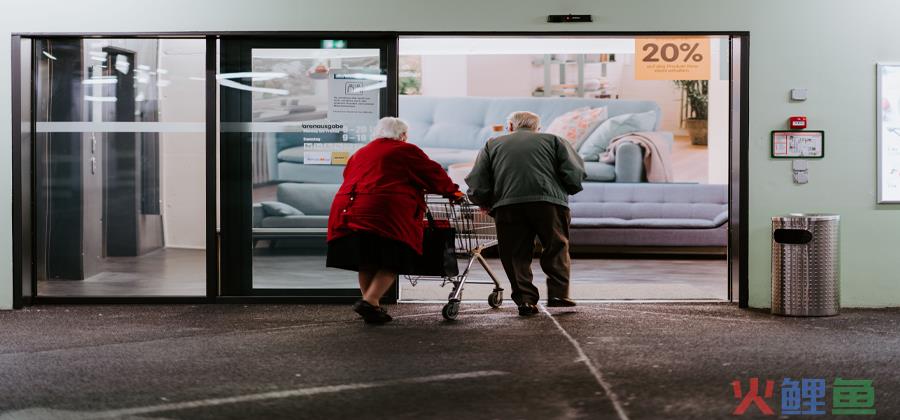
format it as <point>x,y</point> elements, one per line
<point>517,225</point>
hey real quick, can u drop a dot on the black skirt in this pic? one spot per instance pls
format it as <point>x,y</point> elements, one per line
<point>370,252</point>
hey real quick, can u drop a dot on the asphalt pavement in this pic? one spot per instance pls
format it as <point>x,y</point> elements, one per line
<point>595,361</point>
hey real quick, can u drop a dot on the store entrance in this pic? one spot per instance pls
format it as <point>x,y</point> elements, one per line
<point>292,111</point>
<point>236,145</point>
<point>659,148</point>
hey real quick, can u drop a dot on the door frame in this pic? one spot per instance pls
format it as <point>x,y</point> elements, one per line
<point>22,216</point>
<point>236,217</point>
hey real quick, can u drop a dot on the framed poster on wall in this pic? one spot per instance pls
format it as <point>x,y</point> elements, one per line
<point>888,131</point>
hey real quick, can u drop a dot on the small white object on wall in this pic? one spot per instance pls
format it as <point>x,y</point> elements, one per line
<point>800,170</point>
<point>798,94</point>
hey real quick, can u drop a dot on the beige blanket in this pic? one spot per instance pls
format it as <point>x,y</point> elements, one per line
<point>657,154</point>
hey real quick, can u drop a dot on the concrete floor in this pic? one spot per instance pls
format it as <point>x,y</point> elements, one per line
<point>182,272</point>
<point>596,361</point>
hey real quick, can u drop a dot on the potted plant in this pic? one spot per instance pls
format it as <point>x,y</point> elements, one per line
<point>696,101</point>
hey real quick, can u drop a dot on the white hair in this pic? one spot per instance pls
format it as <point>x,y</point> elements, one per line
<point>390,128</point>
<point>524,119</point>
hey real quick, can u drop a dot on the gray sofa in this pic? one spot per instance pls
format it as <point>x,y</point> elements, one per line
<point>314,200</point>
<point>604,214</point>
<point>453,129</point>
<point>650,215</point>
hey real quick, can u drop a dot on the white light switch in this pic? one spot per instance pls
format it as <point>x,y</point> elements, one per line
<point>798,94</point>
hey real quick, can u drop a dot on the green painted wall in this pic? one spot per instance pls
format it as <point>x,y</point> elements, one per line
<point>831,50</point>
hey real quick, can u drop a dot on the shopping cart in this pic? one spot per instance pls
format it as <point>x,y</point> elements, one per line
<point>475,232</point>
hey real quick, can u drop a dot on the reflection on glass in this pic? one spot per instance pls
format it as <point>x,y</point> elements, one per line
<point>119,194</point>
<point>321,106</point>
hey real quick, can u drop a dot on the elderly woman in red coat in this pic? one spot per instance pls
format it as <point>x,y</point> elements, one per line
<point>375,226</point>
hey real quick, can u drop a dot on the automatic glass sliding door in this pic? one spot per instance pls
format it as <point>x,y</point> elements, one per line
<point>292,112</point>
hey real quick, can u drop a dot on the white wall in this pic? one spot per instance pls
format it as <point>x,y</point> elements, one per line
<point>444,75</point>
<point>832,53</point>
<point>663,92</point>
<point>476,75</point>
<point>717,136</point>
<point>500,75</point>
<point>183,155</point>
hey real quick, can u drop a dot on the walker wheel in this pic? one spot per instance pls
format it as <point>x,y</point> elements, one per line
<point>450,311</point>
<point>495,299</point>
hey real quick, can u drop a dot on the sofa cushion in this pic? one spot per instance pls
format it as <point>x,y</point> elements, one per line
<point>295,222</point>
<point>447,157</point>
<point>286,140</point>
<point>600,171</point>
<point>311,199</point>
<point>612,222</point>
<point>291,154</point>
<point>614,127</point>
<point>576,125</point>
<point>651,205</point>
<point>321,174</point>
<point>275,208</point>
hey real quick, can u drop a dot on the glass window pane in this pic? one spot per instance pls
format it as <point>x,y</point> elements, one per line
<point>120,167</point>
<point>311,109</point>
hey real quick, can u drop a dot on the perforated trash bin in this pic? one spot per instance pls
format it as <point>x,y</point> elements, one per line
<point>806,270</point>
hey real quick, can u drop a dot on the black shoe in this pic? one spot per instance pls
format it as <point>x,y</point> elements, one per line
<point>528,309</point>
<point>560,303</point>
<point>371,314</point>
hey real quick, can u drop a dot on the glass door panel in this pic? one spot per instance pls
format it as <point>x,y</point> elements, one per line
<point>119,162</point>
<point>293,112</point>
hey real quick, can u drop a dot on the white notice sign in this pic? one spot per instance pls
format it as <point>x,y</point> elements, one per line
<point>798,144</point>
<point>888,124</point>
<point>354,101</point>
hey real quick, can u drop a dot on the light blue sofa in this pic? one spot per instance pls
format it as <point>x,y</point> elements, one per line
<point>603,215</point>
<point>453,129</point>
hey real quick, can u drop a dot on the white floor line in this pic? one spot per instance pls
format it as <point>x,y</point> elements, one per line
<point>274,395</point>
<point>582,356</point>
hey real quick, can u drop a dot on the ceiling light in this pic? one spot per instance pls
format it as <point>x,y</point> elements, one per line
<point>236,85</point>
<point>256,76</point>
<point>100,98</point>
<point>100,81</point>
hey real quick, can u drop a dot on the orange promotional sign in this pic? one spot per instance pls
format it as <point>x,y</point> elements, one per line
<point>671,59</point>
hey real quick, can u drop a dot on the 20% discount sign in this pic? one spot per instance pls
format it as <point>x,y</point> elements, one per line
<point>671,59</point>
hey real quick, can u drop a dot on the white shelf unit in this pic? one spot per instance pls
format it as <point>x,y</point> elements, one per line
<point>580,62</point>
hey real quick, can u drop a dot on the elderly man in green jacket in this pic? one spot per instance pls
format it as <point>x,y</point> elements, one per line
<point>525,179</point>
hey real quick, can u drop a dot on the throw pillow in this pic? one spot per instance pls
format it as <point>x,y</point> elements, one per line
<point>576,124</point>
<point>277,208</point>
<point>614,127</point>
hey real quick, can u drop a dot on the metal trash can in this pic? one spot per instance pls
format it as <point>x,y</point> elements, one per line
<point>806,270</point>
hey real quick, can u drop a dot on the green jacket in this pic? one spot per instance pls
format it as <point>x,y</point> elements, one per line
<point>525,167</point>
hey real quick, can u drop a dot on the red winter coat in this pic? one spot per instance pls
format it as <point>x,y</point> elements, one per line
<point>383,192</point>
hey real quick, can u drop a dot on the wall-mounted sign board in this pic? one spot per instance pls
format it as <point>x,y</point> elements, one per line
<point>672,58</point>
<point>888,131</point>
<point>798,144</point>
